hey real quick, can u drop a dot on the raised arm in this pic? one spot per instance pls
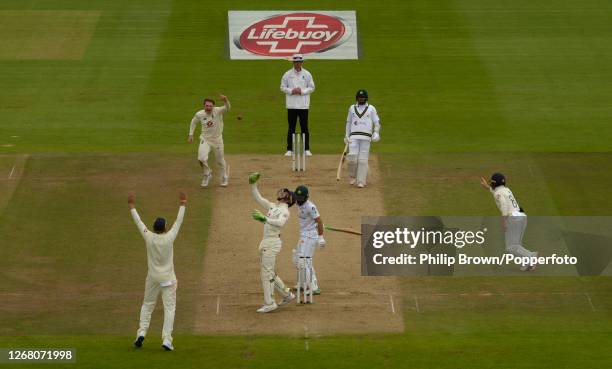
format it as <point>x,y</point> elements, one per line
<point>179,218</point>
<point>253,178</point>
<point>226,104</point>
<point>139,224</point>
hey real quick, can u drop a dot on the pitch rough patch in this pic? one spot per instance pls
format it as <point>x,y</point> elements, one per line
<point>45,34</point>
<point>231,287</point>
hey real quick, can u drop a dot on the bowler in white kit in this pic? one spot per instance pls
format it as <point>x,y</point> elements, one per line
<point>160,276</point>
<point>211,138</point>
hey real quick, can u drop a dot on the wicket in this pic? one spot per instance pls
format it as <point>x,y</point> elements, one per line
<point>298,156</point>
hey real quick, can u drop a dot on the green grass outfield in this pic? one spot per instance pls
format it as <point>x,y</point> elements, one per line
<point>463,88</point>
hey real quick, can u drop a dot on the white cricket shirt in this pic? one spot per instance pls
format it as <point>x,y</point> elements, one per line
<point>160,256</point>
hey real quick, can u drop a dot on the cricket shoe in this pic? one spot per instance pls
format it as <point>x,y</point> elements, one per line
<point>287,299</point>
<point>225,178</point>
<point>267,308</point>
<point>206,180</point>
<point>138,342</point>
<point>353,181</point>
<point>289,153</point>
<point>361,185</point>
<point>315,292</point>
<point>308,153</point>
<point>530,267</point>
<point>167,345</point>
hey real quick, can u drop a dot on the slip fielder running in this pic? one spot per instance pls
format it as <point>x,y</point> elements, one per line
<point>160,276</point>
<point>362,128</point>
<point>311,236</point>
<point>514,218</point>
<point>211,137</point>
<point>270,246</point>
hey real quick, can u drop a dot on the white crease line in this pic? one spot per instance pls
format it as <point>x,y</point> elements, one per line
<point>416,304</point>
<point>218,304</point>
<point>11,174</point>
<point>392,305</point>
<point>590,301</point>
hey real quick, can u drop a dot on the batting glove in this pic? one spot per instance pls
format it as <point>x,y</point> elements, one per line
<point>375,137</point>
<point>346,140</point>
<point>254,177</point>
<point>258,216</point>
<point>321,242</point>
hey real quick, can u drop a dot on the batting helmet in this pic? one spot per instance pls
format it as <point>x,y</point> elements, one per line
<point>301,193</point>
<point>498,179</point>
<point>361,93</point>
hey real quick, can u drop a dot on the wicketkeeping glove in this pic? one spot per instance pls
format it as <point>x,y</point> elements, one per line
<point>258,215</point>
<point>321,242</point>
<point>254,177</point>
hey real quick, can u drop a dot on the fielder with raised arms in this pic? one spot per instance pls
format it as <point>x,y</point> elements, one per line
<point>311,236</point>
<point>514,218</point>
<point>160,277</point>
<point>362,128</point>
<point>211,119</point>
<point>269,247</point>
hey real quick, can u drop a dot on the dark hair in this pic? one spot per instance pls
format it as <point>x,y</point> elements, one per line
<point>211,100</point>
<point>160,225</point>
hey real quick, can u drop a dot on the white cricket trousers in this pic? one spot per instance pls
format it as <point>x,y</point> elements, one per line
<point>269,248</point>
<point>206,145</point>
<point>306,248</point>
<point>515,229</point>
<point>357,159</point>
<point>152,291</point>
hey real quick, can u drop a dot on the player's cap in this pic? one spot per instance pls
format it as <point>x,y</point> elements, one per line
<point>301,193</point>
<point>159,225</point>
<point>498,179</point>
<point>361,93</point>
<point>285,195</point>
<point>297,58</point>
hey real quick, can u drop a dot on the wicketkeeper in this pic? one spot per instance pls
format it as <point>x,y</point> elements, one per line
<point>514,218</point>
<point>161,277</point>
<point>276,216</point>
<point>362,128</point>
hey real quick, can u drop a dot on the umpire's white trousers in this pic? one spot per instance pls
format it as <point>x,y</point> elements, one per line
<point>206,145</point>
<point>357,159</point>
<point>152,291</point>
<point>269,248</point>
<point>515,230</point>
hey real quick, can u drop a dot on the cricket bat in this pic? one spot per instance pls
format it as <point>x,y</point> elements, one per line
<point>343,230</point>
<point>341,161</point>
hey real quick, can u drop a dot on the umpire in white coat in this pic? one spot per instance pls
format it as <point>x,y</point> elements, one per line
<point>297,85</point>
